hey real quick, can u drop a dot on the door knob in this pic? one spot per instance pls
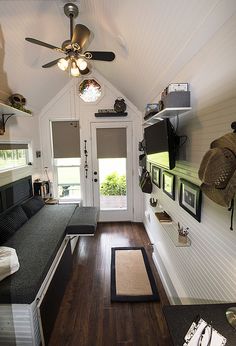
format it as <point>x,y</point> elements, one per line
<point>95,180</point>
<point>95,173</point>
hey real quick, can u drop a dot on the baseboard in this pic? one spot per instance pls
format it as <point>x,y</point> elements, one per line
<point>166,281</point>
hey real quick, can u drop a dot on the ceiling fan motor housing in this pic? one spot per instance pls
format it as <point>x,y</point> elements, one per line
<point>71,9</point>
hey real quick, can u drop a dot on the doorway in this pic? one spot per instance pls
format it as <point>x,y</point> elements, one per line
<point>112,170</point>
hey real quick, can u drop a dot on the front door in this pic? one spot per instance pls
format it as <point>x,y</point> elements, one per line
<point>112,170</point>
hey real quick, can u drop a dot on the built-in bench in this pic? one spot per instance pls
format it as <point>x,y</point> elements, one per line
<point>44,249</point>
<point>83,221</point>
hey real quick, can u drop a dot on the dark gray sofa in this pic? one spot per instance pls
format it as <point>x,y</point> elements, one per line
<point>36,244</point>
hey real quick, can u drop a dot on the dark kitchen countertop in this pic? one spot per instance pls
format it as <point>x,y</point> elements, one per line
<point>180,317</point>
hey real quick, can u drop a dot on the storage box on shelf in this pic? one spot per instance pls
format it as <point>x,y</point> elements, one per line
<point>174,103</point>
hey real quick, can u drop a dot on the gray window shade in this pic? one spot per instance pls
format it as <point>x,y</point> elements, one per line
<point>66,139</point>
<point>111,143</point>
<point>11,146</point>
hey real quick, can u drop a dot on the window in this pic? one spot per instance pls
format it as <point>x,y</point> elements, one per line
<point>68,179</point>
<point>90,90</point>
<point>66,154</point>
<point>13,156</point>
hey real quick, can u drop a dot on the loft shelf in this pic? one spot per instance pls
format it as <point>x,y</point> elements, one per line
<point>7,110</point>
<point>166,113</point>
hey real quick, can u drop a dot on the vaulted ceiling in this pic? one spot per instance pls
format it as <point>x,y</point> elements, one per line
<point>152,39</point>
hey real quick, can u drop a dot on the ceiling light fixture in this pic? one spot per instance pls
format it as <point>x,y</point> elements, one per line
<point>76,60</point>
<point>63,64</point>
<point>74,71</point>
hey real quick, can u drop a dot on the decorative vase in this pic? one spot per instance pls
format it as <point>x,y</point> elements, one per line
<point>183,239</point>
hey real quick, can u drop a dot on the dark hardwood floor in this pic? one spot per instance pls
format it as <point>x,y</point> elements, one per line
<point>87,317</point>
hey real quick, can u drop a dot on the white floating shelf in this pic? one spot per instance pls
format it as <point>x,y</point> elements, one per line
<point>166,113</point>
<point>172,231</point>
<point>7,110</point>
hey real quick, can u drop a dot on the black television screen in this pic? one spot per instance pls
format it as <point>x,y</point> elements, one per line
<point>161,144</point>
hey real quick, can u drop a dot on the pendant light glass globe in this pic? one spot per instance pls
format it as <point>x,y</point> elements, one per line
<point>63,64</point>
<point>74,69</point>
<point>82,64</point>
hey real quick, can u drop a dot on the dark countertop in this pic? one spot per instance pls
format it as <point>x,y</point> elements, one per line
<point>180,317</point>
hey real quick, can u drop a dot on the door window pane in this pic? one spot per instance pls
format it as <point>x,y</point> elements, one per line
<point>112,183</point>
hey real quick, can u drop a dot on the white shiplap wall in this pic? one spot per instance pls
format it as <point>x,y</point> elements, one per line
<point>205,271</point>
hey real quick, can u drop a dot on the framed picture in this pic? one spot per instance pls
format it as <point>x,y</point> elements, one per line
<point>156,176</point>
<point>190,198</point>
<point>169,184</point>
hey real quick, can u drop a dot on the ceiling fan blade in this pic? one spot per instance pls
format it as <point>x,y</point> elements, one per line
<point>80,36</point>
<point>102,56</point>
<point>44,44</point>
<point>51,63</point>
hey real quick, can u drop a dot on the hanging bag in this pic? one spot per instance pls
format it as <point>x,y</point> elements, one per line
<point>145,182</point>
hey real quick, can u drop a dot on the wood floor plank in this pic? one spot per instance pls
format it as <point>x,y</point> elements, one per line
<point>87,317</point>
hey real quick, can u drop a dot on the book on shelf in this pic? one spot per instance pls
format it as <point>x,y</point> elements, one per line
<point>163,217</point>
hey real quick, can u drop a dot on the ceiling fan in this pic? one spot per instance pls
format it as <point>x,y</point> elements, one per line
<point>75,59</point>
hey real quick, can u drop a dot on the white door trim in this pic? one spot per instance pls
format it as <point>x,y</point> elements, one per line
<point>114,215</point>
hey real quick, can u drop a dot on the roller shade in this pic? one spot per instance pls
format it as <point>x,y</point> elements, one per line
<point>111,143</point>
<point>11,146</point>
<point>66,139</point>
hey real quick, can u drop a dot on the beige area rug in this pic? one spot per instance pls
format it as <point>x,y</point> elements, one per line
<point>131,276</point>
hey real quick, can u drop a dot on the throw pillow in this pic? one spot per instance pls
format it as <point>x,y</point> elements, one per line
<point>33,205</point>
<point>10,222</point>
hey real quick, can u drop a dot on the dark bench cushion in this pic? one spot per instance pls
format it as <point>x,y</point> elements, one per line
<point>36,244</point>
<point>83,221</point>
<point>33,205</point>
<point>10,222</point>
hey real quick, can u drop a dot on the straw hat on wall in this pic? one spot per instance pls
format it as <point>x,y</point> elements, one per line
<point>218,170</point>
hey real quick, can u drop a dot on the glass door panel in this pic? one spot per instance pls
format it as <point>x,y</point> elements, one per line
<point>112,184</point>
<point>112,170</point>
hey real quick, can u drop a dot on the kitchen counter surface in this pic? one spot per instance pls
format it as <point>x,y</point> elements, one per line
<point>180,317</point>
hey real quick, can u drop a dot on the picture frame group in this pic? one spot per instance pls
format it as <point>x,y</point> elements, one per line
<point>190,195</point>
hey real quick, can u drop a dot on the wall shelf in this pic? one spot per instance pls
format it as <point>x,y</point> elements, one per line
<point>172,231</point>
<point>110,114</point>
<point>166,113</point>
<point>7,110</point>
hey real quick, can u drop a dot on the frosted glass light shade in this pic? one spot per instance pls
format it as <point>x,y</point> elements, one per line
<point>74,70</point>
<point>63,64</point>
<point>82,64</point>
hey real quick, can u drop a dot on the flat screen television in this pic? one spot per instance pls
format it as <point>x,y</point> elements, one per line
<point>161,144</point>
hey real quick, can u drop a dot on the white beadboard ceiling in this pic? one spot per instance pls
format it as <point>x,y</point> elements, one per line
<point>152,40</point>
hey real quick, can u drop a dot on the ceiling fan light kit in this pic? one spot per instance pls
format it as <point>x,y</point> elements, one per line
<point>75,59</point>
